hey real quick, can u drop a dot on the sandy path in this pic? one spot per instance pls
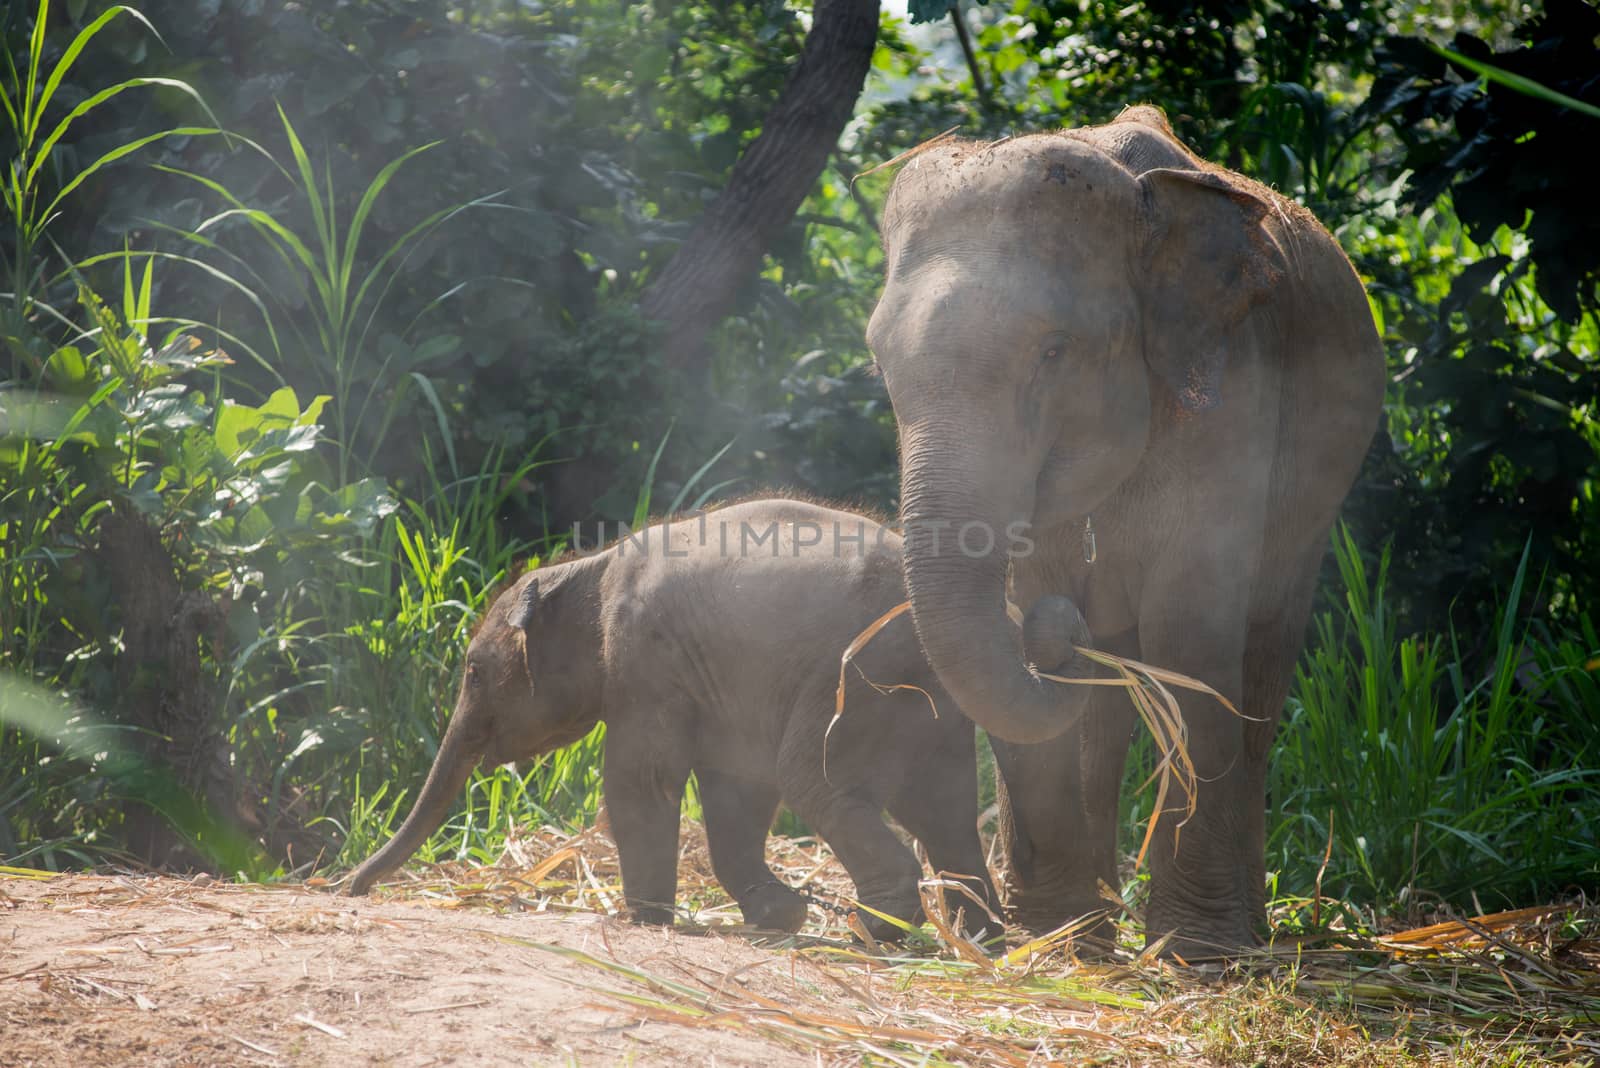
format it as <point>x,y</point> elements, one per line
<point>99,970</point>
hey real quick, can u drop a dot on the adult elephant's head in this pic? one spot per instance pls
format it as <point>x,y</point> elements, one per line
<point>1041,297</point>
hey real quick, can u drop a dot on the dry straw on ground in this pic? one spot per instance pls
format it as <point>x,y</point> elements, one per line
<point>1520,986</point>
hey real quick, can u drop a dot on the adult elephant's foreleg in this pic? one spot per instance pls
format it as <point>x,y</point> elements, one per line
<point>938,809</point>
<point>1058,813</point>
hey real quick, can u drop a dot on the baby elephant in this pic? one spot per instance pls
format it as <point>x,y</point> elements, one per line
<point>711,644</point>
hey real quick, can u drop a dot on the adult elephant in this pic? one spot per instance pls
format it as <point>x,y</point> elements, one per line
<point>1097,331</point>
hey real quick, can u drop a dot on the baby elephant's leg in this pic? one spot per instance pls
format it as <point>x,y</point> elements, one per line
<point>885,871</point>
<point>738,815</point>
<point>940,809</point>
<point>644,790</point>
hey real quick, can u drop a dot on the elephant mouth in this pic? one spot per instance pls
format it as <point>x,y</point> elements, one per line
<point>548,741</point>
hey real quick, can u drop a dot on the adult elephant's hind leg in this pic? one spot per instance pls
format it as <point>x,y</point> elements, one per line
<point>738,815</point>
<point>1273,645</point>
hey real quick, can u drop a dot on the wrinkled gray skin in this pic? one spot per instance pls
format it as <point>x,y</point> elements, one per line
<point>721,657</point>
<point>1096,323</point>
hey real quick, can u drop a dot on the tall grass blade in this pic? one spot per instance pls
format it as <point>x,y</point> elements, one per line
<point>103,95</point>
<point>70,56</point>
<point>432,395</point>
<point>700,472</point>
<point>120,152</point>
<point>368,198</point>
<point>1515,82</point>
<point>641,505</point>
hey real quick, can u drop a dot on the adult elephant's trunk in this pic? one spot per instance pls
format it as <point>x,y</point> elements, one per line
<point>958,602</point>
<point>459,753</point>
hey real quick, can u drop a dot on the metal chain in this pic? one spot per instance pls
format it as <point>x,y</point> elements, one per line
<point>804,895</point>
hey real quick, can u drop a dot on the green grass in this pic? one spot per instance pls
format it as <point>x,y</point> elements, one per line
<point>1458,767</point>
<point>321,297</point>
<point>32,193</point>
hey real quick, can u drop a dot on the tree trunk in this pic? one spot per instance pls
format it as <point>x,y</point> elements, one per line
<point>166,691</point>
<point>699,285</point>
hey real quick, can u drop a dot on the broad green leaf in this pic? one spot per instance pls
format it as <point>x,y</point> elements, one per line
<point>313,413</point>
<point>68,371</point>
<point>254,529</point>
<point>185,352</point>
<point>282,404</point>
<point>145,495</point>
<point>358,505</point>
<point>296,438</point>
<point>170,407</point>
<point>238,425</point>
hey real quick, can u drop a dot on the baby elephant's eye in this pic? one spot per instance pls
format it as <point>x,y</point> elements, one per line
<point>472,675</point>
<point>1053,348</point>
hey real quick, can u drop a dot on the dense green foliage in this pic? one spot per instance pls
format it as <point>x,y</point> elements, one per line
<point>318,320</point>
<point>1494,412</point>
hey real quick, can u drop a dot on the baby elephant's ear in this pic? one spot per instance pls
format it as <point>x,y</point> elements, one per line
<point>1207,259</point>
<point>526,604</point>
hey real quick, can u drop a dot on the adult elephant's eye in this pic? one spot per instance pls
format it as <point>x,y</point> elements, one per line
<point>1053,348</point>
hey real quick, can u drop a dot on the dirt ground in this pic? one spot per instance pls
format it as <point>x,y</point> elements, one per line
<point>512,965</point>
<point>126,970</point>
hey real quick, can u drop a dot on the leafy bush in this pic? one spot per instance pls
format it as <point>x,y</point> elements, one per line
<point>145,524</point>
<point>1490,302</point>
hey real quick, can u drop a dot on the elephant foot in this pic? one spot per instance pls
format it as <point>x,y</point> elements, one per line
<point>1201,950</point>
<point>1045,907</point>
<point>651,915</point>
<point>977,923</point>
<point>884,931</point>
<point>1223,938</point>
<point>774,908</point>
<point>1093,935</point>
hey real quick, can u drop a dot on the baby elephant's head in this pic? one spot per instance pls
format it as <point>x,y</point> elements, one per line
<point>517,700</point>
<point>522,694</point>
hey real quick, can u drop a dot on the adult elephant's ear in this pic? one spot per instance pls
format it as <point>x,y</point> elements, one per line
<point>1207,259</point>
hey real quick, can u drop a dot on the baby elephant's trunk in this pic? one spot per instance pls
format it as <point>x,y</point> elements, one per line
<point>458,755</point>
